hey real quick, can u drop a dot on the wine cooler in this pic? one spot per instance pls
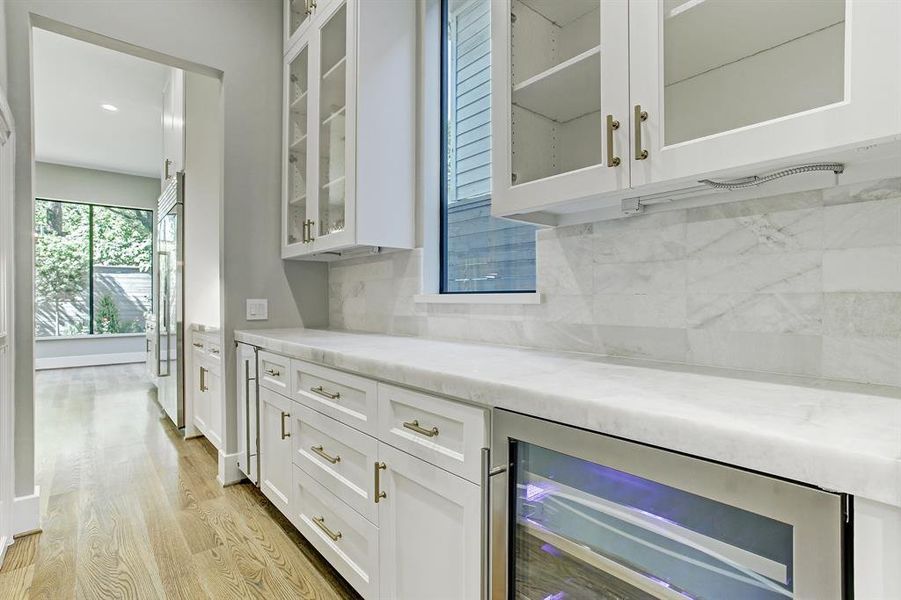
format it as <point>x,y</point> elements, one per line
<point>577,515</point>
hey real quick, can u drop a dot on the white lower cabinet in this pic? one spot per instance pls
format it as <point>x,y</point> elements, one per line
<point>429,531</point>
<point>396,524</point>
<point>344,537</point>
<point>275,449</point>
<point>213,393</point>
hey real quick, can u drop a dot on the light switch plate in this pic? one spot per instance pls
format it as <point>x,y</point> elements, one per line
<point>257,309</point>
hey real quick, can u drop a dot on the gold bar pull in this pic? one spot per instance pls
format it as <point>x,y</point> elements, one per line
<point>325,393</point>
<point>319,450</point>
<point>379,495</point>
<point>320,522</point>
<point>310,235</point>
<point>285,434</point>
<point>306,224</point>
<point>198,345</point>
<point>214,351</point>
<point>640,117</point>
<point>414,426</point>
<point>612,125</point>
<point>203,386</point>
<point>273,372</point>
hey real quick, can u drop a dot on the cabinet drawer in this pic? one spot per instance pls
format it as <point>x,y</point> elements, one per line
<point>351,399</point>
<point>337,456</point>
<point>274,372</point>
<point>448,434</point>
<point>348,541</point>
<point>214,353</point>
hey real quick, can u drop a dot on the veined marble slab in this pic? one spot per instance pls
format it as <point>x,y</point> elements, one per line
<point>839,436</point>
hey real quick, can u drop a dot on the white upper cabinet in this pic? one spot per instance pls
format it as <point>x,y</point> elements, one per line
<point>559,100</point>
<point>731,83</point>
<point>173,126</point>
<point>699,89</point>
<point>350,130</point>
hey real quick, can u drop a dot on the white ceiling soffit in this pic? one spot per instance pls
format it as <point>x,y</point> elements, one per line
<point>72,80</point>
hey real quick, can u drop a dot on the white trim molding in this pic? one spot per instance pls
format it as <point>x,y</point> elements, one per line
<point>502,298</point>
<point>229,473</point>
<point>26,513</point>
<point>88,360</point>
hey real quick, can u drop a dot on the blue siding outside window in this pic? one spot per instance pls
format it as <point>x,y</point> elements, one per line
<point>479,252</point>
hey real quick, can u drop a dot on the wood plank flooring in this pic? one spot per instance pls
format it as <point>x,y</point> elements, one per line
<point>132,510</point>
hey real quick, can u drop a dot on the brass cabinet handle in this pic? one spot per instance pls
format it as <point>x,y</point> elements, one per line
<point>312,5</point>
<point>320,522</point>
<point>414,426</point>
<point>273,372</point>
<point>332,459</point>
<point>310,237</point>
<point>325,393</point>
<point>203,386</point>
<point>214,351</point>
<point>612,125</point>
<point>306,236</point>
<point>166,164</point>
<point>379,495</point>
<point>198,345</point>
<point>640,117</point>
<point>285,434</point>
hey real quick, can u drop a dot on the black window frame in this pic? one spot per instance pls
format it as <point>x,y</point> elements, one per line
<point>91,206</point>
<point>442,204</point>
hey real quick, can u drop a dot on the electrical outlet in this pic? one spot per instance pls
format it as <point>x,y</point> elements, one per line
<point>257,309</point>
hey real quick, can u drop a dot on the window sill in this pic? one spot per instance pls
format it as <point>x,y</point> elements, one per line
<point>513,298</point>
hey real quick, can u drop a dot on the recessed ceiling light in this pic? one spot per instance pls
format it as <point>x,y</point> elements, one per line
<point>109,107</point>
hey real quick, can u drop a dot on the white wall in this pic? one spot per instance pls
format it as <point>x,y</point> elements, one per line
<point>3,44</point>
<point>242,39</point>
<point>76,184</point>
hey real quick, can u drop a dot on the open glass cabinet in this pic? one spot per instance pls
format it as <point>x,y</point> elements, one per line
<point>579,515</point>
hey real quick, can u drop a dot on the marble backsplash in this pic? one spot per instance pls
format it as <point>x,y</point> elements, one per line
<point>806,283</point>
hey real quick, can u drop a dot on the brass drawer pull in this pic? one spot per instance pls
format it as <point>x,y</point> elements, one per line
<point>379,495</point>
<point>203,386</point>
<point>318,450</point>
<point>198,345</point>
<point>214,350</point>
<point>414,426</point>
<point>273,372</point>
<point>612,125</point>
<point>285,434</point>
<point>325,393</point>
<point>640,117</point>
<point>320,522</point>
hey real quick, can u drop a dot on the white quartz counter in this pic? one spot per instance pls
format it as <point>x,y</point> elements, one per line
<point>843,437</point>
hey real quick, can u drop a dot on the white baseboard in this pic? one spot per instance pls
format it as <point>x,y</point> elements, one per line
<point>229,473</point>
<point>26,513</point>
<point>88,360</point>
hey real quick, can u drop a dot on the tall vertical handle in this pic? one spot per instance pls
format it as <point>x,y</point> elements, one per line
<point>285,434</point>
<point>612,125</point>
<point>162,318</point>
<point>203,386</point>
<point>377,476</point>
<point>640,117</point>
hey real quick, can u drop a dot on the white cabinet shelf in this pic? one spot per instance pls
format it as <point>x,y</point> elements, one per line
<point>349,140</point>
<point>555,93</point>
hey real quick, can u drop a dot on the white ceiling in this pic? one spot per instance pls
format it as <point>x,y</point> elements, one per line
<point>71,80</point>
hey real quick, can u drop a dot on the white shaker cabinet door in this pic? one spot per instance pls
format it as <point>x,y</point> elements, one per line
<point>429,530</point>
<point>275,448</point>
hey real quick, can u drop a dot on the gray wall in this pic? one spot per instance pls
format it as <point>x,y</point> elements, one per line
<point>806,283</point>
<point>242,39</point>
<point>77,184</point>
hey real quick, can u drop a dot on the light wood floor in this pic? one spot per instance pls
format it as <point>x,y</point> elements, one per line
<point>132,510</point>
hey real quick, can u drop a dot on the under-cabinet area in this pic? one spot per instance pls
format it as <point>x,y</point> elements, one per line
<point>485,486</point>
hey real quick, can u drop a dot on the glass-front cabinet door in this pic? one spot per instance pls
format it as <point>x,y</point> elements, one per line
<point>332,165</point>
<point>297,215</point>
<point>719,84</point>
<point>298,16</point>
<point>559,100</point>
<point>581,516</point>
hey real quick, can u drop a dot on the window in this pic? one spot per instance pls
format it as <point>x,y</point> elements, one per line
<point>92,269</point>
<point>479,253</point>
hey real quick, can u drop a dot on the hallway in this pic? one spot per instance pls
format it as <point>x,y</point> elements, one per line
<point>131,510</point>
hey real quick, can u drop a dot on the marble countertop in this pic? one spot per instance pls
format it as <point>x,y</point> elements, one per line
<point>839,436</point>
